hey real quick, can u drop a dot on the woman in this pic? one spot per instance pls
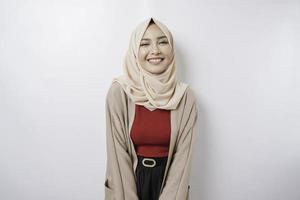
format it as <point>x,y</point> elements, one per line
<point>150,122</point>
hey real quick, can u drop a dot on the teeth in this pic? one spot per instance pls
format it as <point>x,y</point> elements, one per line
<point>155,60</point>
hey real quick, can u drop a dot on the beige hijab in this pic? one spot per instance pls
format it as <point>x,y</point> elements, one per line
<point>147,89</point>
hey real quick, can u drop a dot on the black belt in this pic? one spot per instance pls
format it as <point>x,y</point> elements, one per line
<point>152,162</point>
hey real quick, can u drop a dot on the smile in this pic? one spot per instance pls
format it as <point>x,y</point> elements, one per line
<point>155,61</point>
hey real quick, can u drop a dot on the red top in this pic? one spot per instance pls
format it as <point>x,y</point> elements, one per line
<point>151,132</point>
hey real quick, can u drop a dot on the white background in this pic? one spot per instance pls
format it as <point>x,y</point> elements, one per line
<point>57,60</point>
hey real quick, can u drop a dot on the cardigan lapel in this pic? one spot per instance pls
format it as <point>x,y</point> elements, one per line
<point>174,132</point>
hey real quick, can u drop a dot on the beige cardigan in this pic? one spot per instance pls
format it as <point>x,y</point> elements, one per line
<point>120,183</point>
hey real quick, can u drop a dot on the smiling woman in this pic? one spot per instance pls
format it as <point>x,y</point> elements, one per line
<point>155,52</point>
<point>150,122</point>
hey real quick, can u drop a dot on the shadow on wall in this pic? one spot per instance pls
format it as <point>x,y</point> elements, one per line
<point>200,162</point>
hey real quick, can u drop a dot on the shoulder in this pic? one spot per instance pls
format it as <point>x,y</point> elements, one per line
<point>188,104</point>
<point>190,93</point>
<point>115,91</point>
<point>116,97</point>
<point>189,96</point>
<point>188,108</point>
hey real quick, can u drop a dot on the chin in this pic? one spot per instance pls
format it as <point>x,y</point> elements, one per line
<point>157,71</point>
<point>153,68</point>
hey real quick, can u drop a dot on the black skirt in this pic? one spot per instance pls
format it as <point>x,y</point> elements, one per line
<point>150,175</point>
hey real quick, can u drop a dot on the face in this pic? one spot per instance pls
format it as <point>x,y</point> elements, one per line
<point>155,52</point>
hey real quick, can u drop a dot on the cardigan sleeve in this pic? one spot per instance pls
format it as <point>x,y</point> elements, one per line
<point>177,186</point>
<point>120,181</point>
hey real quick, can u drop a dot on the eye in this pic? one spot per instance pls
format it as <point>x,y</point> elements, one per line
<point>144,44</point>
<point>163,42</point>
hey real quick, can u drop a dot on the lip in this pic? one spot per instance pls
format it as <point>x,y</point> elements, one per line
<point>154,60</point>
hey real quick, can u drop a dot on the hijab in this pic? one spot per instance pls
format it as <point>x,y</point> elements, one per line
<point>144,88</point>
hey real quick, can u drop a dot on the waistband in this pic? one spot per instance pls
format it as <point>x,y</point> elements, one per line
<point>152,161</point>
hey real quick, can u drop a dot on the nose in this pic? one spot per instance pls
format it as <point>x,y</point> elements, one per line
<point>155,50</point>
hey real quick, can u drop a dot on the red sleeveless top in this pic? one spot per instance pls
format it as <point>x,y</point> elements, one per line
<point>151,131</point>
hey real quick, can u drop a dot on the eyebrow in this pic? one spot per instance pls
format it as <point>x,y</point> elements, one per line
<point>160,37</point>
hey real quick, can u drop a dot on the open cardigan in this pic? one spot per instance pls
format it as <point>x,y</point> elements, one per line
<point>120,180</point>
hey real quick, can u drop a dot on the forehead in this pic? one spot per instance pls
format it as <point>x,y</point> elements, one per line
<point>153,31</point>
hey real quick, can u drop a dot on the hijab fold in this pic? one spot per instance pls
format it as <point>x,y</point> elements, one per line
<point>144,88</point>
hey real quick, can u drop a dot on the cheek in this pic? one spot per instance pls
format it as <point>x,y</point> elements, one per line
<point>167,52</point>
<point>142,54</point>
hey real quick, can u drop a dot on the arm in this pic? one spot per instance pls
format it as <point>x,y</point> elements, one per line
<point>120,182</point>
<point>177,181</point>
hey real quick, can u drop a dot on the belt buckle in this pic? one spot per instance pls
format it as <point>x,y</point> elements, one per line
<point>149,165</point>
